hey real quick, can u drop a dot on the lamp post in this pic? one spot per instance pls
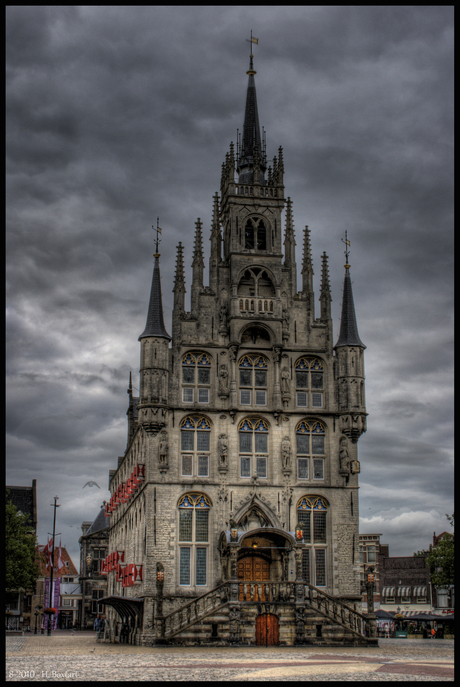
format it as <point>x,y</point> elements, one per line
<point>55,505</point>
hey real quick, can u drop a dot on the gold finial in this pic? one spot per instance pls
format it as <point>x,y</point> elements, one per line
<point>251,66</point>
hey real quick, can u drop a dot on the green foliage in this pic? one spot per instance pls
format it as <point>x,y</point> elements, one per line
<point>21,568</point>
<point>441,559</point>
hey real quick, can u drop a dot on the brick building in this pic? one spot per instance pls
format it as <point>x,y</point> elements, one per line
<point>94,544</point>
<point>405,584</point>
<point>239,482</point>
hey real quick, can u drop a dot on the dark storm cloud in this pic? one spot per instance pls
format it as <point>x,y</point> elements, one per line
<point>117,115</point>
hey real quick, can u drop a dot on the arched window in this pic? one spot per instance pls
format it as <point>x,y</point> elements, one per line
<point>253,380</point>
<point>312,517</point>
<point>253,433</point>
<point>194,510</point>
<point>255,234</point>
<point>195,438</point>
<point>196,377</point>
<point>309,382</point>
<point>311,449</point>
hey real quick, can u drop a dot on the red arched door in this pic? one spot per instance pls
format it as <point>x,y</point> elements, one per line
<point>255,569</point>
<point>267,630</point>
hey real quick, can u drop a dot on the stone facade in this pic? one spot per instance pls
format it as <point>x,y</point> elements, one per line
<point>241,461</point>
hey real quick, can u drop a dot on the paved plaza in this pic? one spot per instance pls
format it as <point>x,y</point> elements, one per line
<point>77,657</point>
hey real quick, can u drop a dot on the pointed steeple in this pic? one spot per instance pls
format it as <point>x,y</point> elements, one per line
<point>251,136</point>
<point>216,245</point>
<point>348,327</point>
<point>179,280</point>
<point>325,296</point>
<point>307,266</point>
<point>155,325</point>
<point>197,266</point>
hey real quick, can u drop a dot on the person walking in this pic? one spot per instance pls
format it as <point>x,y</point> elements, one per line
<point>96,625</point>
<point>100,627</point>
<point>433,633</point>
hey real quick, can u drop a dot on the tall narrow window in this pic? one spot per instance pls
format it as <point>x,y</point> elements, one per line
<point>195,446</point>
<point>253,438</point>
<point>312,515</point>
<point>255,234</point>
<point>253,380</point>
<point>196,378</point>
<point>309,383</point>
<point>194,539</point>
<point>311,449</point>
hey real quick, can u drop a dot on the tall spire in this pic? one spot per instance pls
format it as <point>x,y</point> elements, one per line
<point>307,267</point>
<point>197,266</point>
<point>155,325</point>
<point>179,280</point>
<point>348,327</point>
<point>251,135</point>
<point>325,296</point>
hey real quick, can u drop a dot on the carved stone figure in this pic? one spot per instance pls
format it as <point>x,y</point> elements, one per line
<point>163,449</point>
<point>223,317</point>
<point>286,453</point>
<point>344,457</point>
<point>223,381</point>
<point>285,379</point>
<point>222,450</point>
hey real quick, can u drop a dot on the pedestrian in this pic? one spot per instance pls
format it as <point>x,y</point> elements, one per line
<point>100,627</point>
<point>96,625</point>
<point>433,633</point>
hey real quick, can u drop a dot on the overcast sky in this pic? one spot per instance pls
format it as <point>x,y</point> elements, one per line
<point>117,115</point>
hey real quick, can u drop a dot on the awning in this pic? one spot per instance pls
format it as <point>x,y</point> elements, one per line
<point>125,606</point>
<point>389,591</point>
<point>404,591</point>
<point>419,591</point>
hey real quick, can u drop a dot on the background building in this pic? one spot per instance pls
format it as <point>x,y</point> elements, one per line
<point>94,544</point>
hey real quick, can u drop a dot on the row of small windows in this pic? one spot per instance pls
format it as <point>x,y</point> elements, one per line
<point>253,380</point>
<point>253,447</point>
<point>194,510</point>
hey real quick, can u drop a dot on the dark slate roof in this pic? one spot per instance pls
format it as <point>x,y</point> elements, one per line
<point>251,134</point>
<point>102,522</point>
<point>155,325</point>
<point>348,328</point>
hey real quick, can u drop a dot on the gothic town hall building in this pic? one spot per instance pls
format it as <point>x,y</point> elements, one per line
<point>234,509</point>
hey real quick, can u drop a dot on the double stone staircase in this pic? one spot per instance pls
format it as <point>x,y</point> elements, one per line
<point>227,615</point>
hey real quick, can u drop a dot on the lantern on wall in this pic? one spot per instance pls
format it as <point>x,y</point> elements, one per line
<point>299,532</point>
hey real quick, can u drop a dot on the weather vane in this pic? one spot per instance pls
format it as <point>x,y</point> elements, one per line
<point>253,40</point>
<point>346,251</point>
<point>158,231</point>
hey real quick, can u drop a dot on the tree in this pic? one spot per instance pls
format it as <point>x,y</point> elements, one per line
<point>22,570</point>
<point>440,558</point>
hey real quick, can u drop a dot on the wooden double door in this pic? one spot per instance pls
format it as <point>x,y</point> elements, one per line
<point>255,569</point>
<point>267,630</point>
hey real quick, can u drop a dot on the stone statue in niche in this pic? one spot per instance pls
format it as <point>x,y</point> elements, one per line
<point>222,449</point>
<point>286,453</point>
<point>344,457</point>
<point>223,380</point>
<point>285,380</point>
<point>163,449</point>
<point>223,318</point>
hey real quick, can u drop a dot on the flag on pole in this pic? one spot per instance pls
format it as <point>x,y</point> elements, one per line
<point>51,552</point>
<point>256,41</point>
<point>60,563</point>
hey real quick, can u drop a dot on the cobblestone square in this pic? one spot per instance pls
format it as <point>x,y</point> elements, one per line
<point>79,657</point>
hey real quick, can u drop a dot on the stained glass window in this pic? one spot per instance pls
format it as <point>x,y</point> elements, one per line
<point>309,374</point>
<point>196,377</point>
<point>311,436</point>
<point>253,434</point>
<point>194,509</point>
<point>253,369</point>
<point>312,515</point>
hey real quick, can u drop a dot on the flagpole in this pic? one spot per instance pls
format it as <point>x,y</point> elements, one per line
<point>55,505</point>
